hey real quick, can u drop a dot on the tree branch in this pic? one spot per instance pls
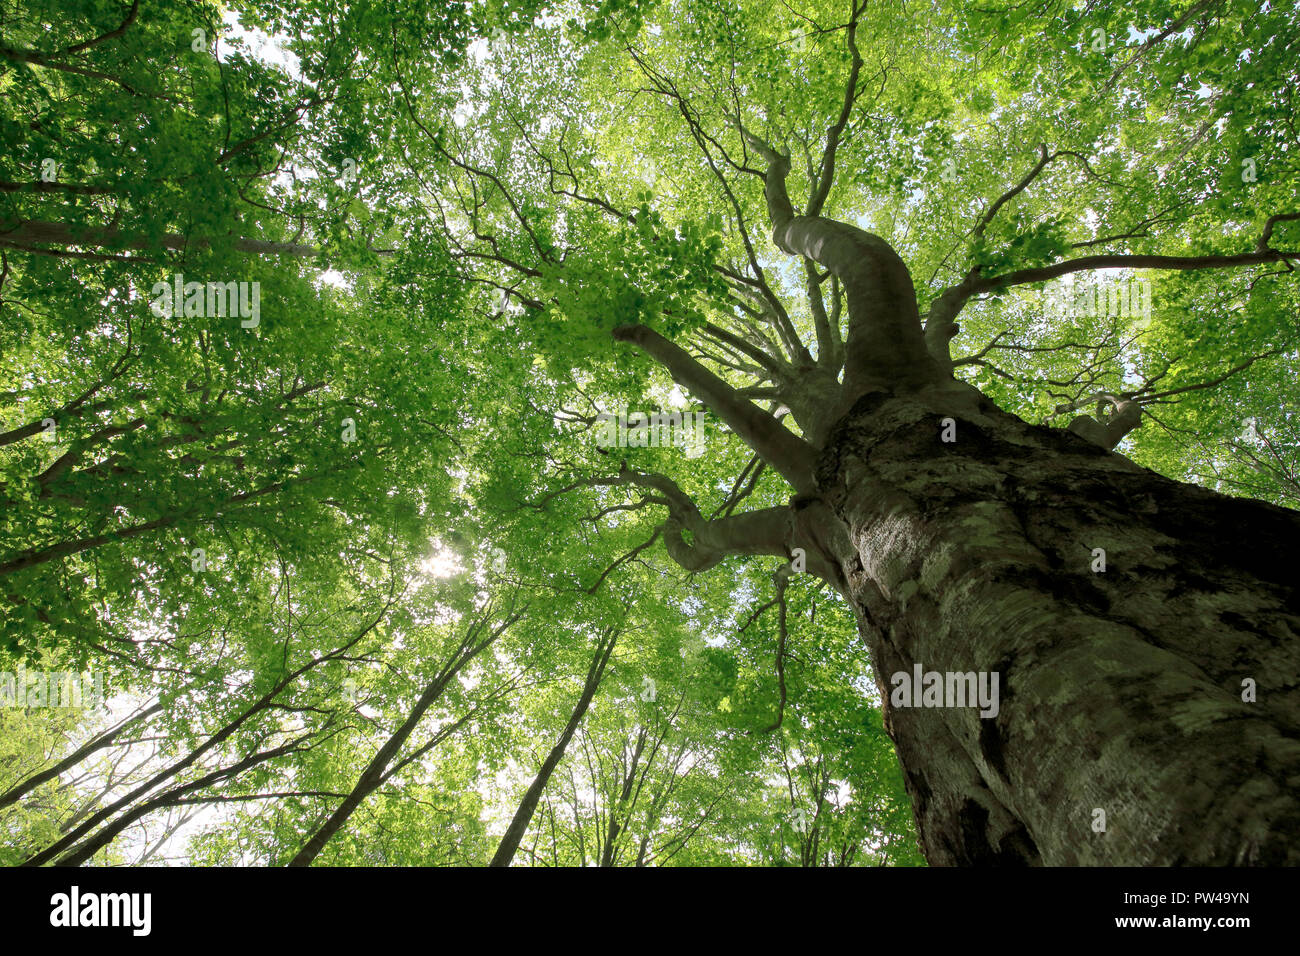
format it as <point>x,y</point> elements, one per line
<point>790,455</point>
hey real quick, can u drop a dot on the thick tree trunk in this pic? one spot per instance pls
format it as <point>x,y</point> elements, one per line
<point>1121,690</point>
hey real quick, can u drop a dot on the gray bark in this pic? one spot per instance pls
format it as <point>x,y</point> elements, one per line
<point>1121,690</point>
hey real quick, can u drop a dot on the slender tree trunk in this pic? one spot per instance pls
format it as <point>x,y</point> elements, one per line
<point>374,775</point>
<point>527,807</point>
<point>24,787</point>
<point>379,769</point>
<point>627,798</point>
<point>86,851</point>
<point>1121,691</point>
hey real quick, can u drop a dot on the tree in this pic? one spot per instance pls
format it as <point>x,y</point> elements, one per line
<point>478,636</point>
<point>1123,612</point>
<point>528,805</point>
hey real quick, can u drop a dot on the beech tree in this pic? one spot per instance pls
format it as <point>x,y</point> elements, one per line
<point>989,318</point>
<point>1143,629</point>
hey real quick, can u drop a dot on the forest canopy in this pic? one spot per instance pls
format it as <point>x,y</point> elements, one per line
<point>431,420</point>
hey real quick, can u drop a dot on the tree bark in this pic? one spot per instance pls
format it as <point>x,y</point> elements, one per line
<point>30,233</point>
<point>1120,690</point>
<point>105,739</point>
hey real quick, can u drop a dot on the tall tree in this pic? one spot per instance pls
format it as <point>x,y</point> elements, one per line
<point>1144,631</point>
<point>523,817</point>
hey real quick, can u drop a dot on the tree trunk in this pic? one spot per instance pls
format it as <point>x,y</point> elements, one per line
<point>1123,690</point>
<point>528,805</point>
<point>381,766</point>
<point>377,771</point>
<point>26,786</point>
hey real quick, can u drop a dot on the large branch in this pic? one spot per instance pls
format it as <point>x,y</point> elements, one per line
<point>884,343</point>
<point>104,38</point>
<point>750,533</point>
<point>822,181</point>
<point>30,235</point>
<point>768,362</point>
<point>774,308</point>
<point>40,186</point>
<point>830,348</point>
<point>698,544</point>
<point>1126,261</point>
<point>939,326</point>
<point>774,532</point>
<point>1121,412</point>
<point>1016,190</point>
<point>54,61</point>
<point>789,454</point>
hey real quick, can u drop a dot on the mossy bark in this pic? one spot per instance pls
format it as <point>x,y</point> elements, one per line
<point>1121,690</point>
